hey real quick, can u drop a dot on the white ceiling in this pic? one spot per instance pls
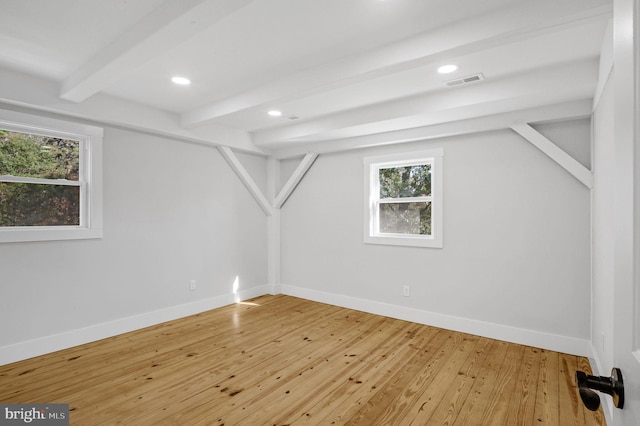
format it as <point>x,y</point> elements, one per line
<point>350,70</point>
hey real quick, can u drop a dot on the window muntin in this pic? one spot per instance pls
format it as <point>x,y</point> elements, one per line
<point>50,179</point>
<point>403,199</point>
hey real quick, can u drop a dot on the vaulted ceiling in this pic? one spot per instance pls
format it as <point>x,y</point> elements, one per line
<point>344,73</point>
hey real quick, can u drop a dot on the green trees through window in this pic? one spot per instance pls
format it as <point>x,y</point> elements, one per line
<point>39,180</point>
<point>410,216</point>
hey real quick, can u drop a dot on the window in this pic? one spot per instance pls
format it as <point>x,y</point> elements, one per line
<point>403,199</point>
<point>50,179</point>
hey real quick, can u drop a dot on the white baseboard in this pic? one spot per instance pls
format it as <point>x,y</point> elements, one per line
<point>31,348</point>
<point>554,342</point>
<point>40,346</point>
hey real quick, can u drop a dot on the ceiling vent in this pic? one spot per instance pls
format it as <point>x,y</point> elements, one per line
<point>465,80</point>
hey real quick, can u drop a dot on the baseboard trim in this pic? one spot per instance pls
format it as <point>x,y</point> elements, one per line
<point>40,346</point>
<point>44,345</point>
<point>554,342</point>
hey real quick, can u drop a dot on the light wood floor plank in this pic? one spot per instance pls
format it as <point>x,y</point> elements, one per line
<point>546,412</point>
<point>571,409</point>
<point>287,361</point>
<point>480,395</point>
<point>522,404</point>
<point>453,400</point>
<point>418,409</point>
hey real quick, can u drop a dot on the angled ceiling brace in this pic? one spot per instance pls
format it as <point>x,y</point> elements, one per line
<point>255,191</point>
<point>295,179</point>
<point>569,163</point>
<point>246,179</point>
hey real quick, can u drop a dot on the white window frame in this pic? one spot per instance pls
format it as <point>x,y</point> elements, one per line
<point>90,178</point>
<point>372,165</point>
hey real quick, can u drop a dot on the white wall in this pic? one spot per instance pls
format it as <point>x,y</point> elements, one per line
<point>515,263</point>
<point>173,212</point>
<point>516,256</point>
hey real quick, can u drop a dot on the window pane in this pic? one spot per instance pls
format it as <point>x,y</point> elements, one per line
<point>45,157</point>
<point>408,181</point>
<point>27,204</point>
<point>405,218</point>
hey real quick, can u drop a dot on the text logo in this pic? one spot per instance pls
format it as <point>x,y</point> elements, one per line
<point>34,414</point>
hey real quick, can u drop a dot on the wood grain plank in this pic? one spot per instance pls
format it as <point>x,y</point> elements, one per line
<point>478,399</point>
<point>546,410</point>
<point>522,401</point>
<point>571,409</point>
<point>345,392</point>
<point>284,360</point>
<point>384,402</point>
<point>458,391</point>
<point>422,405</point>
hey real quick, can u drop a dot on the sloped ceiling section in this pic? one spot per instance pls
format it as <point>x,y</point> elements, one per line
<point>343,73</point>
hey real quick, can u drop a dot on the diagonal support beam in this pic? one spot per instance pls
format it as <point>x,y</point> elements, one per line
<point>569,163</point>
<point>295,179</point>
<point>169,25</point>
<point>246,179</point>
<point>255,191</point>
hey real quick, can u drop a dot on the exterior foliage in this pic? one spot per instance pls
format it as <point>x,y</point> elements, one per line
<point>35,156</point>
<point>410,217</point>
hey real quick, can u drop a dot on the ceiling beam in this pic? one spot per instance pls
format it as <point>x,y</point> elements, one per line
<point>166,27</point>
<point>479,33</point>
<point>545,86</point>
<point>23,91</point>
<point>547,113</point>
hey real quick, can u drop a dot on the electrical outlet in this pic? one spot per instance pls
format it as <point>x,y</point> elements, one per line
<point>406,291</point>
<point>192,285</point>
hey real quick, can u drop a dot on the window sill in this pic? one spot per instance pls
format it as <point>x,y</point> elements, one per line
<point>24,234</point>
<point>410,241</point>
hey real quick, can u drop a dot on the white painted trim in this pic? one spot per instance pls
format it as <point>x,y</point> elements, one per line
<point>294,179</point>
<point>40,181</point>
<point>273,225</point>
<point>246,179</point>
<point>40,346</point>
<point>567,162</point>
<point>90,183</point>
<point>371,165</point>
<point>273,247</point>
<point>606,63</point>
<point>554,342</point>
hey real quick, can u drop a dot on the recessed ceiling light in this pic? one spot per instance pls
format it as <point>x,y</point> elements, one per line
<point>446,69</point>
<point>275,113</point>
<point>182,81</point>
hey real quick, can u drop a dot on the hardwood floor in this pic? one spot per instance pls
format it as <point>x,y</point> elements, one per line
<point>279,360</point>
